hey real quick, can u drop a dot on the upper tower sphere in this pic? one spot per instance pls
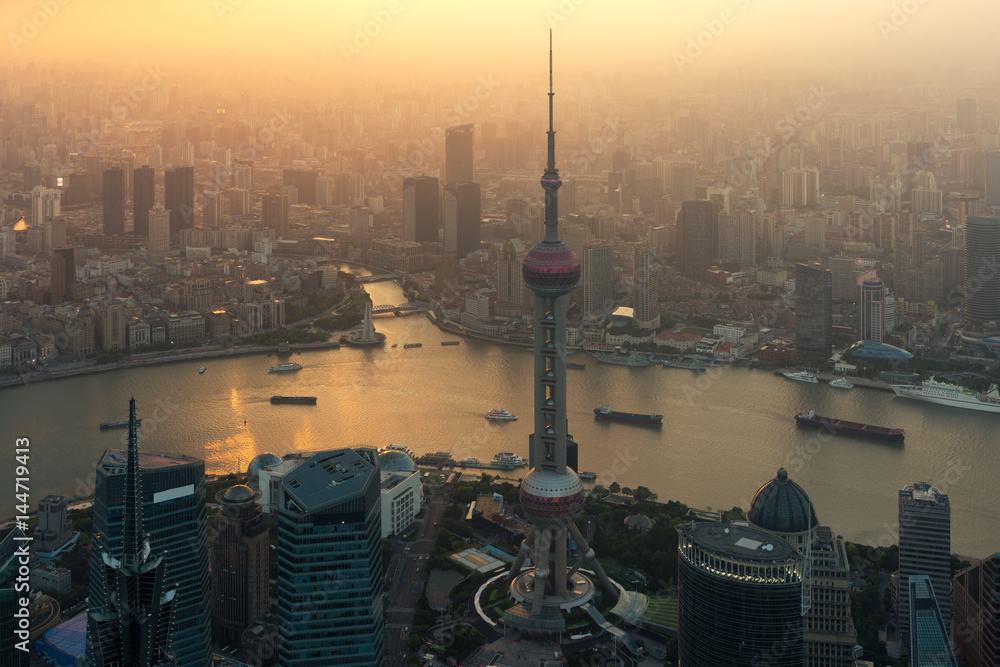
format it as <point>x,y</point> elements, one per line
<point>551,269</point>
<point>781,506</point>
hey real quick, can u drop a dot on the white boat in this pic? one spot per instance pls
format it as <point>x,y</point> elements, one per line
<point>943,393</point>
<point>285,367</point>
<point>202,369</point>
<point>509,458</point>
<point>802,376</point>
<point>469,461</point>
<point>841,383</point>
<point>500,415</point>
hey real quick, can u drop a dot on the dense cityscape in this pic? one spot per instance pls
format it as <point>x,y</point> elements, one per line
<point>829,226</point>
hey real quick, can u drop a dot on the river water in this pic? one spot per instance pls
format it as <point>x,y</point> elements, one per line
<point>724,433</point>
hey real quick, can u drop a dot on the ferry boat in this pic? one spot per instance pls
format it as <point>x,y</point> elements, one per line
<point>802,376</point>
<point>285,367</point>
<point>509,458</point>
<point>500,415</point>
<point>810,418</point>
<point>300,400</point>
<point>943,393</point>
<point>202,369</point>
<point>470,461</point>
<point>109,425</point>
<point>605,412</point>
<point>841,383</point>
<point>589,476</point>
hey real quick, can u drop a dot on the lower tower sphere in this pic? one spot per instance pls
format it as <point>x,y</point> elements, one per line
<point>547,496</point>
<point>551,269</point>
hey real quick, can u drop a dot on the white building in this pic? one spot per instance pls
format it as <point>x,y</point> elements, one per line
<point>401,491</point>
<point>159,229</point>
<point>730,333</point>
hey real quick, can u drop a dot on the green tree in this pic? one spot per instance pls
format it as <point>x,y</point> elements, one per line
<point>615,487</point>
<point>642,493</point>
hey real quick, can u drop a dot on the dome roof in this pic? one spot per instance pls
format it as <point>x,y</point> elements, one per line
<point>394,460</point>
<point>261,461</point>
<point>551,269</point>
<point>781,506</point>
<point>240,493</point>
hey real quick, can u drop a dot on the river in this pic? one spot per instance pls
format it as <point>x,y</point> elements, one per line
<point>724,433</point>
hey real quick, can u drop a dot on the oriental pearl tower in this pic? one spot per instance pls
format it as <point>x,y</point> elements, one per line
<point>551,494</point>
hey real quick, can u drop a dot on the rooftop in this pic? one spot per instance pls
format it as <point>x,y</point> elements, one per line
<point>739,541</point>
<point>114,461</point>
<point>328,477</point>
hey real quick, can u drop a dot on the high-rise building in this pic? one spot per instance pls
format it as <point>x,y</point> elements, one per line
<point>159,229</point>
<point>976,593</point>
<point>274,212</point>
<point>993,178</point>
<point>361,220</point>
<point>739,597</point>
<point>46,205</point>
<point>54,528</point>
<point>738,238</point>
<point>645,287</point>
<point>800,187</point>
<point>240,562</point>
<point>968,207</point>
<point>930,641</point>
<point>304,180</point>
<point>243,174</point>
<point>143,198</point>
<point>63,274</point>
<point>330,561</point>
<point>237,201</point>
<point>813,308</point>
<point>698,237</point>
<point>133,602</point>
<point>462,218</point>
<point>348,188</point>
<point>458,154</point>
<point>114,202</point>
<point>982,280</point>
<point>510,285</point>
<point>782,507</point>
<point>871,315</point>
<point>682,182</point>
<point>924,548</point>
<point>966,115</point>
<point>421,210</point>
<point>179,197</point>
<point>598,278</point>
<point>551,493</point>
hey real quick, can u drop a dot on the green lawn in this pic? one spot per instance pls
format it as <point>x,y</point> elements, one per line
<point>662,610</point>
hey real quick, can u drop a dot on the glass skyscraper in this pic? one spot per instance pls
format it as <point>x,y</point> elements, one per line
<point>813,308</point>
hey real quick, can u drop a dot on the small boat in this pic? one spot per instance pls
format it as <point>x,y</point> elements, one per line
<point>451,342</point>
<point>810,418</point>
<point>509,458</point>
<point>202,370</point>
<point>802,376</point>
<point>499,414</point>
<point>409,345</point>
<point>589,476</point>
<point>470,461</point>
<point>395,344</point>
<point>285,367</point>
<point>605,412</point>
<point>298,400</point>
<point>124,424</point>
<point>841,383</point>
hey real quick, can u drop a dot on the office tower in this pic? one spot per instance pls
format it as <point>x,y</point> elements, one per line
<point>159,229</point>
<point>682,182</point>
<point>551,493</point>
<point>240,590</point>
<point>924,548</point>
<point>966,115</point>
<point>348,189</point>
<point>982,280</point>
<point>361,220</point>
<point>274,208</point>
<point>993,178</point>
<point>304,180</point>
<point>114,202</point>
<point>648,190</point>
<point>143,198</point>
<point>815,229</point>
<point>976,596</point>
<point>698,237</point>
<point>54,528</point>
<point>237,201</point>
<point>330,561</point>
<point>645,287</point>
<point>212,209</point>
<point>739,597</point>
<point>46,204</point>
<point>510,285</point>
<point>567,202</point>
<point>179,197</point>
<point>968,207</point>
<point>325,197</point>
<point>782,507</point>
<point>930,641</point>
<point>133,602</point>
<point>813,308</point>
<point>927,201</point>
<point>421,210</point>
<point>458,154</point>
<point>738,238</point>
<point>598,278</point>
<point>63,276</point>
<point>871,315</point>
<point>462,218</point>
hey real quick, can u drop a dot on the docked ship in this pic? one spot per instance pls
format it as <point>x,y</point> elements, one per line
<point>954,395</point>
<point>436,459</point>
<point>802,376</point>
<point>298,400</point>
<point>811,419</point>
<point>109,425</point>
<point>509,458</point>
<point>285,367</point>
<point>605,412</point>
<point>500,415</point>
<point>635,359</point>
<point>841,383</point>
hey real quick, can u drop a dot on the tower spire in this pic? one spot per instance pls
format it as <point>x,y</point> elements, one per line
<point>550,179</point>
<point>132,530</point>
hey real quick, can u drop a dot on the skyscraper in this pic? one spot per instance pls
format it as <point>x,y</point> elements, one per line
<point>871,316</point>
<point>46,204</point>
<point>159,229</point>
<point>977,613</point>
<point>930,641</point>
<point>924,548</point>
<point>645,287</point>
<point>598,277</point>
<point>421,211</point>
<point>551,493</point>
<point>510,284</point>
<point>982,280</point>
<point>304,180</point>
<point>173,514</point>
<point>966,115</point>
<point>993,178</point>
<point>698,237</point>
<point>274,212</point>
<point>132,605</point>
<point>813,308</point>
<point>462,218</point>
<point>63,274</point>
<point>739,597</point>
<point>179,197</point>
<point>114,202</point>
<point>330,561</point>
<point>143,194</point>
<point>458,154</point>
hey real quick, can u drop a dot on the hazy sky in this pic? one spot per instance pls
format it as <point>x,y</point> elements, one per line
<point>483,36</point>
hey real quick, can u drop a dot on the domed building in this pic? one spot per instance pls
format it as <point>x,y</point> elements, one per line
<point>264,460</point>
<point>782,507</point>
<point>396,460</point>
<point>402,494</point>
